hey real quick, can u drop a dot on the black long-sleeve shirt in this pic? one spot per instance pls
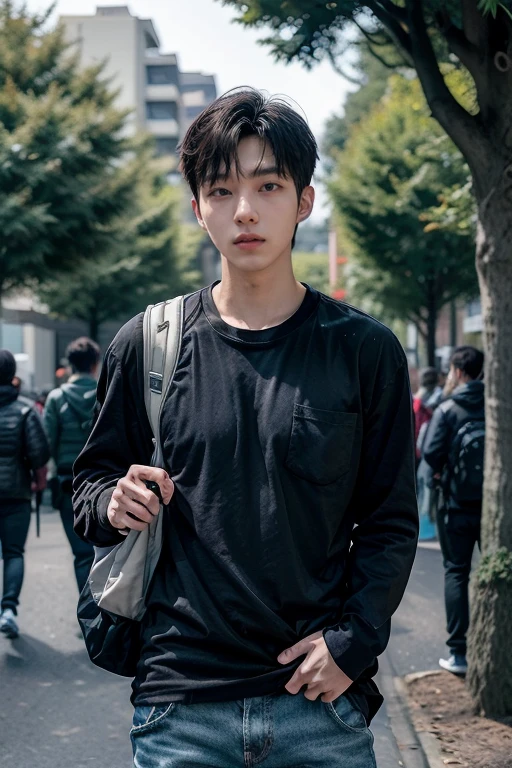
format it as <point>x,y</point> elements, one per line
<point>294,511</point>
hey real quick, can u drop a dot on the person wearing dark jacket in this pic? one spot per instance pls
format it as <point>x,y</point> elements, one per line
<point>23,450</point>
<point>290,517</point>
<point>68,414</point>
<point>455,438</point>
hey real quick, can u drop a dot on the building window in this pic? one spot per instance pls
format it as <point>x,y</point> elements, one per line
<point>161,110</point>
<point>474,308</point>
<point>166,145</point>
<point>162,74</point>
<point>192,112</point>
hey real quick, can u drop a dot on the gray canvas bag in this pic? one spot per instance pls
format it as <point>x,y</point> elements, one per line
<point>120,575</point>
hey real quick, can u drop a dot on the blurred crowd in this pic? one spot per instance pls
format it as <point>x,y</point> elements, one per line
<point>40,438</point>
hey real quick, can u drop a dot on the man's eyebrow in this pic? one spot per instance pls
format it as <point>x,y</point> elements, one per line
<point>256,173</point>
<point>212,179</point>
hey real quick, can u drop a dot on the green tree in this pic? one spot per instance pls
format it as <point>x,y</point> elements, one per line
<point>374,75</point>
<point>145,260</point>
<point>478,34</point>
<point>61,145</point>
<point>388,185</point>
<point>312,268</point>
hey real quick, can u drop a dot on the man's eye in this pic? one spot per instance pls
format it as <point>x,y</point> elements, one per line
<point>270,186</point>
<point>220,192</point>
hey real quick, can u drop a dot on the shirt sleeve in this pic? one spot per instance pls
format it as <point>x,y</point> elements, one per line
<point>121,436</point>
<point>385,512</point>
<point>436,446</point>
<point>51,425</point>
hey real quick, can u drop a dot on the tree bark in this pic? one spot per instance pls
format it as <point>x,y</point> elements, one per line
<point>94,325</point>
<point>453,323</point>
<point>1,316</point>
<point>490,660</point>
<point>431,328</point>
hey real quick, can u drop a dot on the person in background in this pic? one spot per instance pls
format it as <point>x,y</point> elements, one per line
<point>40,481</point>
<point>68,413</point>
<point>429,386</point>
<point>429,379</point>
<point>439,394</point>
<point>454,448</point>
<point>23,450</point>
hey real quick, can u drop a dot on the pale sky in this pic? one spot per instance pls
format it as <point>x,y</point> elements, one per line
<point>201,33</point>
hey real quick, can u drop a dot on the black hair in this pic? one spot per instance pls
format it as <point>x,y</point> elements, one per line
<point>83,355</point>
<point>469,360</point>
<point>429,377</point>
<point>7,366</point>
<point>211,142</point>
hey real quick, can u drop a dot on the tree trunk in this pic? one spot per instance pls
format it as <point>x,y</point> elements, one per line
<point>1,316</point>
<point>431,329</point>
<point>490,660</point>
<point>453,323</point>
<point>94,325</point>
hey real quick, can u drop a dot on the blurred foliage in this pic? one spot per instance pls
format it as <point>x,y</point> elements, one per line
<point>313,269</point>
<point>402,194</point>
<point>374,76</point>
<point>61,145</point>
<point>145,262</point>
<point>309,31</point>
<point>312,237</point>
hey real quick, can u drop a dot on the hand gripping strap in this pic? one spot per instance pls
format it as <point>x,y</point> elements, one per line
<point>119,578</point>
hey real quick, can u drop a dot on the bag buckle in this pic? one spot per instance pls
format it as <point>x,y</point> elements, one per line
<point>155,382</point>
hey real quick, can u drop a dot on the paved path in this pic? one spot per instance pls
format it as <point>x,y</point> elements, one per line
<point>418,634</point>
<point>59,711</point>
<point>56,709</point>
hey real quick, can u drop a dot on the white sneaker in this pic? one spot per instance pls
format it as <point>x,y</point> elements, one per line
<point>8,624</point>
<point>457,665</point>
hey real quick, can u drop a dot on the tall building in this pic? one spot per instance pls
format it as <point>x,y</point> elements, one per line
<point>162,98</point>
<point>197,91</point>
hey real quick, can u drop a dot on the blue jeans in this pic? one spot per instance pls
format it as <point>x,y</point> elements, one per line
<point>14,525</point>
<point>278,731</point>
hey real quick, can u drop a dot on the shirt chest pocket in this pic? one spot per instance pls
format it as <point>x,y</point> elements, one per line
<point>321,442</point>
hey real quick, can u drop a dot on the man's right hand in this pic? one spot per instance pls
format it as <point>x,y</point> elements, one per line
<point>132,505</point>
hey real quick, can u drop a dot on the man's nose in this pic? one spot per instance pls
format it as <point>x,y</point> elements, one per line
<point>246,211</point>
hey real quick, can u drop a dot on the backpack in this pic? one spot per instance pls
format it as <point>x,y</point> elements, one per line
<point>466,468</point>
<point>85,426</point>
<point>112,602</point>
<point>422,417</point>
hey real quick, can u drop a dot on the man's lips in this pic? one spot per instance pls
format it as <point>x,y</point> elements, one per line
<point>249,242</point>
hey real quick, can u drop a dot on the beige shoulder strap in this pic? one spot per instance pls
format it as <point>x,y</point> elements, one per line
<point>163,325</point>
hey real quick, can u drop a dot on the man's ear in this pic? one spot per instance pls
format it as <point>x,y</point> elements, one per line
<point>306,202</point>
<point>197,211</point>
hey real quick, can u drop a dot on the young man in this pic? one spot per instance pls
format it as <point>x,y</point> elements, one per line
<point>455,438</point>
<point>288,422</point>
<point>68,414</point>
<point>23,450</point>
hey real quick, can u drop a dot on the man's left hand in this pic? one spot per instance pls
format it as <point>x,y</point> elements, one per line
<point>318,671</point>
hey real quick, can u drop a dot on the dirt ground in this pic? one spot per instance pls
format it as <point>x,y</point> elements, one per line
<point>440,704</point>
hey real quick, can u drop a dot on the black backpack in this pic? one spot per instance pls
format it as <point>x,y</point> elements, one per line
<point>466,467</point>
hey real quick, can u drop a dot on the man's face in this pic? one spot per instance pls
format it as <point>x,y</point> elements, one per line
<point>456,376</point>
<point>251,218</point>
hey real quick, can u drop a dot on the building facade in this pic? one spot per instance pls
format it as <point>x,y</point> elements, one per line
<point>162,100</point>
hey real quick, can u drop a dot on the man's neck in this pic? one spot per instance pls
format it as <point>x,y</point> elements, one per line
<point>257,301</point>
